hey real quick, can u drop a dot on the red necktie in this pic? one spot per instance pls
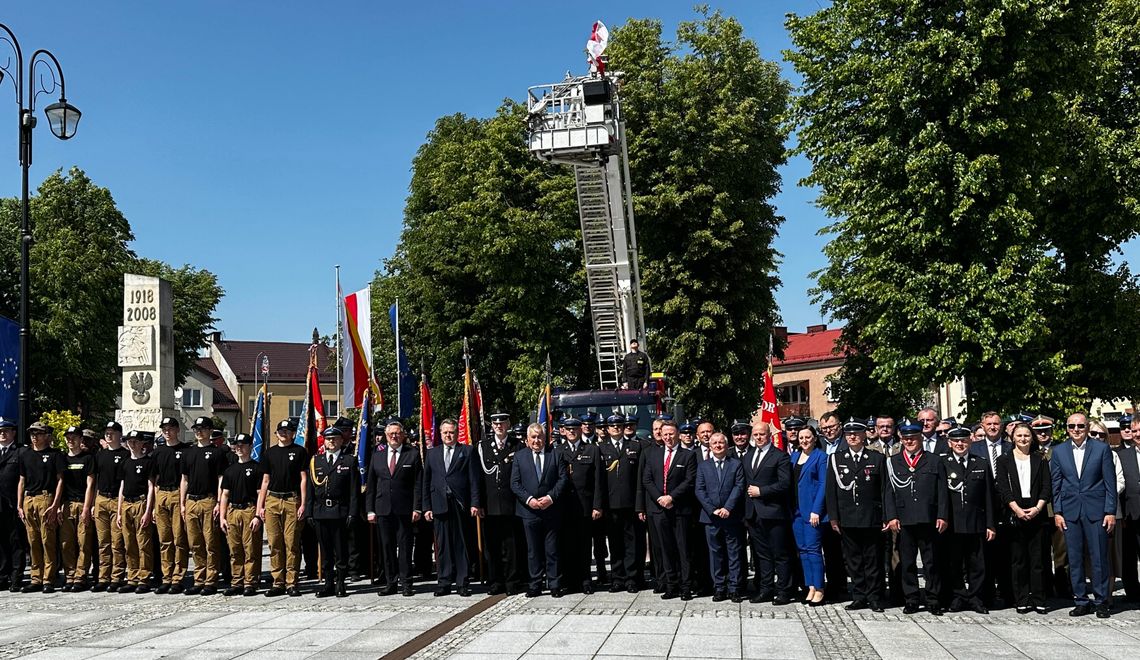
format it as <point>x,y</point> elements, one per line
<point>392,464</point>
<point>665,478</point>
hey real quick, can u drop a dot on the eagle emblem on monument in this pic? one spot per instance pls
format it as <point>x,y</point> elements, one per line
<point>141,382</point>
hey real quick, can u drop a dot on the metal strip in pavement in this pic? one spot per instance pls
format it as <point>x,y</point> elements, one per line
<point>421,641</point>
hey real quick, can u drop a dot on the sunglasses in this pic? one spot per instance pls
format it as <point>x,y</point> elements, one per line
<point>1096,434</point>
<point>1077,426</point>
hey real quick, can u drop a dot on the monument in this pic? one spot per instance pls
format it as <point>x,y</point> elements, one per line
<point>146,353</point>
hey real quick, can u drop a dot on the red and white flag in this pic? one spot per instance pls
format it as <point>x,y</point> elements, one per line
<point>768,410</point>
<point>599,39</point>
<point>356,347</point>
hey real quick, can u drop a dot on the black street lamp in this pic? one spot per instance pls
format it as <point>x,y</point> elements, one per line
<point>63,118</point>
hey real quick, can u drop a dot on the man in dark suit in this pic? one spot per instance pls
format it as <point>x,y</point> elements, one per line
<point>1129,454</point>
<point>504,545</point>
<point>1084,506</point>
<point>768,473</point>
<point>620,455</point>
<point>539,479</point>
<point>969,487</point>
<point>451,500</point>
<point>933,442</point>
<point>668,478</point>
<point>334,481</point>
<point>859,503</point>
<point>395,483</point>
<point>13,534</point>
<point>582,508</point>
<point>998,586</point>
<point>720,492</point>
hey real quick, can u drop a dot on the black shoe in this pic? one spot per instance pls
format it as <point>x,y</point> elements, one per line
<point>249,591</point>
<point>408,591</point>
<point>68,587</point>
<point>533,593</point>
<point>31,588</point>
<point>981,609</point>
<point>1081,610</point>
<point>464,591</point>
<point>856,605</point>
<point>616,587</point>
<point>669,595</point>
<point>232,591</point>
<point>341,591</point>
<point>719,597</point>
<point>781,600</point>
<point>877,607</point>
<point>162,589</point>
<point>98,588</point>
<point>1040,609</point>
<point>1102,611</point>
<point>760,598</point>
<point>48,589</point>
<point>388,590</point>
<point>292,592</point>
<point>1024,609</point>
<point>143,588</point>
<point>738,597</point>
<point>910,608</point>
<point>557,593</point>
<point>193,590</point>
<point>328,592</point>
<point>587,589</point>
<point>631,588</point>
<point>127,589</point>
<point>957,605</point>
<point>497,589</point>
<point>275,592</point>
<point>209,590</point>
<point>113,587</point>
<point>16,587</point>
<point>934,609</point>
<point>686,594</point>
<point>177,588</point>
<point>442,591</point>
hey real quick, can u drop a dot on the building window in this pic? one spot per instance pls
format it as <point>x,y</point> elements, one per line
<point>331,409</point>
<point>792,394</point>
<point>191,398</point>
<point>295,406</point>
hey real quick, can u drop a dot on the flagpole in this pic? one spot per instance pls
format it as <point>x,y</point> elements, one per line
<point>399,385</point>
<point>339,388</point>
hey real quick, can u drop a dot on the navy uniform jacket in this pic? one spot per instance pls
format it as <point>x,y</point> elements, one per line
<point>681,484</point>
<point>725,491</point>
<point>620,472</point>
<point>968,491</point>
<point>982,450</point>
<point>9,477</point>
<point>773,476</point>
<point>495,475</point>
<point>919,496</point>
<point>333,487</point>
<point>858,492</point>
<point>461,481</point>
<point>394,494</point>
<point>525,483</point>
<point>587,489</point>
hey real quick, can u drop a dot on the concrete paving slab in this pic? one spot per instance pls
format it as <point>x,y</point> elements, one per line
<point>647,625</point>
<point>705,646</point>
<point>637,644</point>
<point>572,643</point>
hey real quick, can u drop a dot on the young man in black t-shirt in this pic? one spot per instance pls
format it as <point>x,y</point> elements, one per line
<point>76,531</point>
<point>108,478</point>
<point>281,505</point>
<point>41,488</point>
<point>136,508</point>
<point>174,549</point>
<point>202,467</point>
<point>242,526</point>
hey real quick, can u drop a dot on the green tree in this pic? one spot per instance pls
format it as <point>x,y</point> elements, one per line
<point>77,261</point>
<point>977,188</point>
<point>703,116</point>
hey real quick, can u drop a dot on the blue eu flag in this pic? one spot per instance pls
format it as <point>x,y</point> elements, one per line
<point>9,368</point>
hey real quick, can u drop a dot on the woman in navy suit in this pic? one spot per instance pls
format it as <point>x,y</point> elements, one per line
<point>809,473</point>
<point>1025,487</point>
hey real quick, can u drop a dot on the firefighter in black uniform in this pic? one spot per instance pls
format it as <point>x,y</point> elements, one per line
<point>620,456</point>
<point>921,514</point>
<point>504,545</point>
<point>13,535</point>
<point>859,503</point>
<point>334,484</point>
<point>582,506</point>
<point>969,486</point>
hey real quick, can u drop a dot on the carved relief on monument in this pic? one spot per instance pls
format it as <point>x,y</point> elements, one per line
<point>136,346</point>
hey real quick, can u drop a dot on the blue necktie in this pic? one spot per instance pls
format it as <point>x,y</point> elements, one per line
<point>538,465</point>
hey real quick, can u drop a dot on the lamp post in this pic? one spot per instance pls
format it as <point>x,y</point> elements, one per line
<point>63,118</point>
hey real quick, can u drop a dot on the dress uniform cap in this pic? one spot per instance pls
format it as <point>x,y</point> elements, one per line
<point>951,421</point>
<point>1125,420</point>
<point>740,426</point>
<point>333,432</point>
<point>1042,422</point>
<point>588,417</point>
<point>794,423</point>
<point>664,417</point>
<point>114,426</point>
<point>909,427</point>
<point>959,433</point>
<point>854,425</point>
<point>242,439</point>
<point>632,419</point>
<point>287,425</point>
<point>6,423</point>
<point>344,424</point>
<point>687,427</point>
<point>39,427</point>
<point>518,430</point>
<point>203,423</point>
<point>500,417</point>
<point>571,422</point>
<point>169,421</point>
<point>616,419</point>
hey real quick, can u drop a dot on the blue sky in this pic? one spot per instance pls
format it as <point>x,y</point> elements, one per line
<point>269,141</point>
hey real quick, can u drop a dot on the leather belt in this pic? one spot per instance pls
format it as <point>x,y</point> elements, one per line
<point>196,498</point>
<point>138,498</point>
<point>283,495</point>
<point>28,493</point>
<point>104,493</point>
<point>172,489</point>
<point>240,507</point>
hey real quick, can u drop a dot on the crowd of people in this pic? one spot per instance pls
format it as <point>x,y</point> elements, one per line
<point>994,515</point>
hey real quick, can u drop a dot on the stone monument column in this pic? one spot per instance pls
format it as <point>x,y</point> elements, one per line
<point>146,353</point>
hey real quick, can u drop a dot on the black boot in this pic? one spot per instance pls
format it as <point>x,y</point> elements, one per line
<point>341,591</point>
<point>327,591</point>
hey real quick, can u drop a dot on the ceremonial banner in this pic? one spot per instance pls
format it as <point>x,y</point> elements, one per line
<point>599,39</point>
<point>364,438</point>
<point>258,429</point>
<point>356,346</point>
<point>427,415</point>
<point>10,369</point>
<point>405,382</point>
<point>545,412</point>
<point>311,424</point>
<point>469,430</point>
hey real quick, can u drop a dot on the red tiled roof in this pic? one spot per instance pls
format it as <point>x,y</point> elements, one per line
<point>288,361</point>
<point>805,347</point>
<point>223,399</point>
